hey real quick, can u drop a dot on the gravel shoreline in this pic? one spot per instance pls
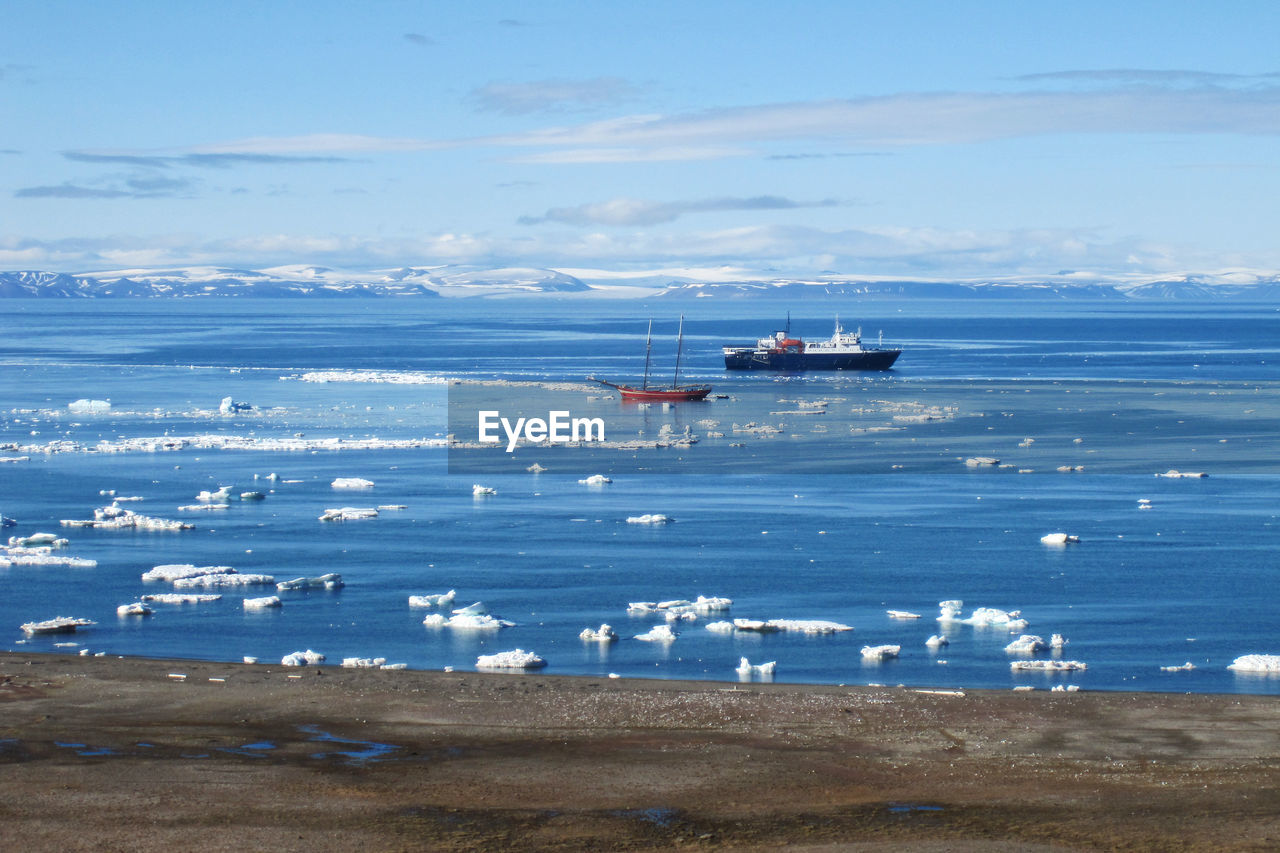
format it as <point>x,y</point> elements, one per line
<point>139,754</point>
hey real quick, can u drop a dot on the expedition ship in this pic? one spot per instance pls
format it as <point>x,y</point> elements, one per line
<point>842,351</point>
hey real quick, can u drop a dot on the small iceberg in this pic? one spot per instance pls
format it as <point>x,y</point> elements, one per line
<point>348,513</point>
<point>1027,644</point>
<point>1254,663</point>
<point>993,617</point>
<point>879,653</point>
<point>981,461</point>
<point>307,658</point>
<point>649,518</point>
<point>433,600</point>
<point>514,659</point>
<point>937,641</point>
<point>88,407</point>
<point>1058,539</point>
<point>596,480</point>
<point>658,634</point>
<point>1175,474</point>
<point>137,608</point>
<point>229,406</point>
<point>1186,667</point>
<point>352,483</point>
<point>902,614</point>
<point>228,580</point>
<point>479,491</point>
<point>603,634</point>
<point>951,610</point>
<point>1047,665</point>
<point>329,581</point>
<point>181,598</point>
<point>1057,641</point>
<point>56,625</point>
<point>764,671</point>
<point>177,571</point>
<point>266,602</point>
<point>221,495</point>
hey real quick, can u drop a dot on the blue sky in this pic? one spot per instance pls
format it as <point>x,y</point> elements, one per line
<point>930,139</point>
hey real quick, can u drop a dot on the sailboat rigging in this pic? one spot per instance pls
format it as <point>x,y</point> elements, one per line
<point>676,391</point>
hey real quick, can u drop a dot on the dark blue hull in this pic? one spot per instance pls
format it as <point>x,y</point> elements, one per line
<point>753,359</point>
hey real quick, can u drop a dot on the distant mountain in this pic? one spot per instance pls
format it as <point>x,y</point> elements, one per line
<point>289,281</point>
<point>471,281</point>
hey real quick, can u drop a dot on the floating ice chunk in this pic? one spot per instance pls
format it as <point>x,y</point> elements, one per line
<point>176,571</point>
<point>1144,503</point>
<point>720,627</point>
<point>1186,667</point>
<point>1065,688</point>
<point>535,468</point>
<point>649,518</point>
<point>209,581</point>
<point>514,659</point>
<point>642,606</point>
<point>41,557</point>
<point>208,507</point>
<point>253,496</point>
<point>951,610</point>
<point>473,609</point>
<point>902,614</point>
<point>434,600</point>
<point>1027,644</point>
<point>937,641</point>
<point>250,659</point>
<point>118,518</point>
<point>1047,665</point>
<point>15,458</point>
<point>808,626</point>
<point>228,406</point>
<point>181,598</point>
<point>266,602</point>
<point>1175,474</point>
<point>481,491</point>
<point>329,581</point>
<point>1057,641</point>
<point>980,461</point>
<point>221,495</point>
<point>137,608</point>
<point>435,620</point>
<point>57,625</point>
<point>1058,538</point>
<point>88,407</point>
<point>391,666</point>
<point>712,604</point>
<point>1256,663</point>
<point>348,513</point>
<point>364,663</point>
<point>474,622</point>
<point>1069,469</point>
<point>760,625</point>
<point>405,377</point>
<point>603,634</point>
<point>37,540</point>
<point>307,658</point>
<point>596,480</point>
<point>880,652</point>
<point>658,634</point>
<point>992,617</point>
<point>764,671</point>
<point>352,483</point>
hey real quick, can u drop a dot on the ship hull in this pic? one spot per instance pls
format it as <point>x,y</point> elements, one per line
<point>752,359</point>
<point>666,395</point>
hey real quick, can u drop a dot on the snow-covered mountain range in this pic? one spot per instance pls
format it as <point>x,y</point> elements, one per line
<point>466,281</point>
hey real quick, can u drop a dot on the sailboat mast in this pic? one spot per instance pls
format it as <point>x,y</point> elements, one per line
<point>675,381</point>
<point>648,345</point>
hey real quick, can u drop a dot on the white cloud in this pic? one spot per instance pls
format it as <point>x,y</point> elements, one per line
<point>557,95</point>
<point>632,212</point>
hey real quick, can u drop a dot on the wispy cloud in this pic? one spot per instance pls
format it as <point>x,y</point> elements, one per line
<point>552,96</point>
<point>419,39</point>
<point>1150,77</point>
<point>207,161</point>
<point>140,186</point>
<point>638,212</point>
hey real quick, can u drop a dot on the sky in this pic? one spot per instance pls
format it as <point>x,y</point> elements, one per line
<point>927,139</point>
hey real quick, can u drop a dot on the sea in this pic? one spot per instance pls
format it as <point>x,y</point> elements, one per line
<point>826,516</point>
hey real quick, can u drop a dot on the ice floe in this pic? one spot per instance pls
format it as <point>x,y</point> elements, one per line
<point>1175,474</point>
<point>473,617</point>
<point>433,600</point>
<point>482,491</point>
<point>118,518</point>
<point>57,625</point>
<point>265,602</point>
<point>88,407</point>
<point>1058,538</point>
<point>1065,688</point>
<point>1256,663</point>
<point>232,579</point>
<point>951,610</point>
<point>352,483</point>
<point>799,626</point>
<point>1186,667</point>
<point>391,377</point>
<point>981,461</point>
<point>596,480</point>
<point>348,513</point>
<point>603,634</point>
<point>137,608</point>
<point>229,406</point>
<point>658,634</point>
<point>982,617</point>
<point>902,614</point>
<point>763,671</point>
<point>328,581</point>
<point>880,652</point>
<point>222,441</point>
<point>41,555</point>
<point>307,658</point>
<point>1047,665</point>
<point>1057,641</point>
<point>1027,644</point>
<point>371,663</point>
<point>177,571</point>
<point>221,495</point>
<point>937,641</point>
<point>38,540</point>
<point>181,598</point>
<point>649,518</point>
<point>514,659</point>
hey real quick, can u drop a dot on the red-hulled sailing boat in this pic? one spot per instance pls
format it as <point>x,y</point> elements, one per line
<point>647,393</point>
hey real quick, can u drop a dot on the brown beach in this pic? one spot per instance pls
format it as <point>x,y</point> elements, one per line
<point>136,754</point>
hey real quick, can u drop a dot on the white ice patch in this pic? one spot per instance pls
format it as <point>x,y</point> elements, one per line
<point>307,658</point>
<point>482,491</point>
<point>329,581</point>
<point>1256,663</point>
<point>352,483</point>
<point>117,518</point>
<point>1047,665</point>
<point>348,513</point>
<point>937,641</point>
<point>603,634</point>
<point>181,598</point>
<point>177,571</point>
<point>433,600</point>
<point>902,614</point>
<point>649,518</point>
<point>763,671</point>
<point>228,580</point>
<point>137,608</point>
<point>514,659</point>
<point>879,653</point>
<point>658,634</point>
<point>1027,644</point>
<point>88,407</point>
<point>596,480</point>
<point>407,377</point>
<point>1058,539</point>
<point>266,602</point>
<point>57,625</point>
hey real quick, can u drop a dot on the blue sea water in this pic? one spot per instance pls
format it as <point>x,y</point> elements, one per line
<point>839,517</point>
